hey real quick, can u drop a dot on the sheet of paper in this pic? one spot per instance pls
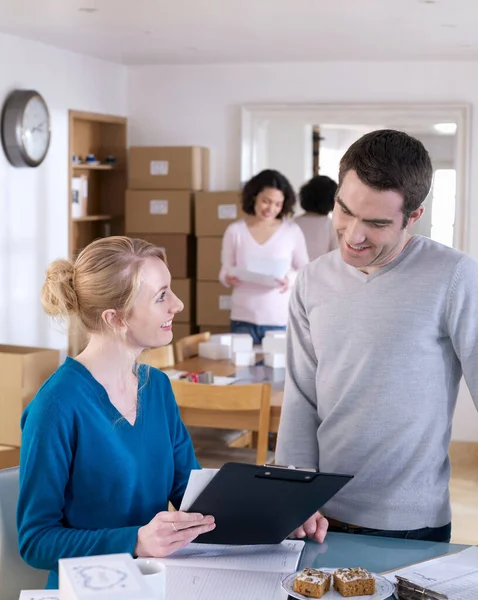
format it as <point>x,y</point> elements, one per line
<point>274,267</point>
<point>224,380</point>
<point>280,558</point>
<point>252,277</point>
<point>198,480</point>
<point>455,575</point>
<point>174,373</point>
<point>214,584</point>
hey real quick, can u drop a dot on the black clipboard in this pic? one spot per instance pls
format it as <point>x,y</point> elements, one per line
<point>262,504</point>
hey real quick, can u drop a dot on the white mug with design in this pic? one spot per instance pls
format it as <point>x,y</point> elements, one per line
<point>155,573</point>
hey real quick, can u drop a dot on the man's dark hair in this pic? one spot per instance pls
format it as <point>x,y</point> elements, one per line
<point>391,160</point>
<point>268,179</point>
<point>318,195</point>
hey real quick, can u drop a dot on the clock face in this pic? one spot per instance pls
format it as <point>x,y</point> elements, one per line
<point>36,129</point>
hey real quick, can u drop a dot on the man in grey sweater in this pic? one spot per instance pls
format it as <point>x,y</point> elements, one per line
<point>380,332</point>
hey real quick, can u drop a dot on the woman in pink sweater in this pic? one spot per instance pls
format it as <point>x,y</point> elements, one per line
<point>261,255</point>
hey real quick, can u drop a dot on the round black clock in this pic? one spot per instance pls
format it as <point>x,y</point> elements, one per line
<point>25,128</point>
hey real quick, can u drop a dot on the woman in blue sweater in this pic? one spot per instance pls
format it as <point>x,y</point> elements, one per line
<point>103,447</point>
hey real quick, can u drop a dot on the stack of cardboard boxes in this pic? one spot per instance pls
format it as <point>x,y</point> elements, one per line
<point>214,211</point>
<point>22,372</point>
<point>160,209</point>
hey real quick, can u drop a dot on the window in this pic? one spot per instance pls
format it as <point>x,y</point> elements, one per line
<point>443,206</point>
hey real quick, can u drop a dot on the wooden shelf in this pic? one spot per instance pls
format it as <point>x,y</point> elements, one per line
<point>104,205</point>
<point>92,218</point>
<point>86,167</point>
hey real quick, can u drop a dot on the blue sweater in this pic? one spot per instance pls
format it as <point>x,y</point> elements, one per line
<point>88,478</point>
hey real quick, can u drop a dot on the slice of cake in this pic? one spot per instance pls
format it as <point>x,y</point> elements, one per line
<point>312,583</point>
<point>354,582</point>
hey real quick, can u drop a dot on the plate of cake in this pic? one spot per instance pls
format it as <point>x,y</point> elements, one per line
<point>335,584</point>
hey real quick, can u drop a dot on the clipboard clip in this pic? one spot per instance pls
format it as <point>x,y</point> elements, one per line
<point>407,590</point>
<point>285,474</point>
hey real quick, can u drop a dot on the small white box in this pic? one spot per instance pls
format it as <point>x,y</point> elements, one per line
<point>274,345</point>
<point>242,342</point>
<point>244,359</point>
<point>107,577</point>
<point>39,595</point>
<point>275,334</point>
<point>276,361</point>
<point>214,351</point>
<point>224,339</point>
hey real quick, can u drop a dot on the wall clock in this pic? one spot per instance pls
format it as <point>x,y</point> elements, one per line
<point>25,128</point>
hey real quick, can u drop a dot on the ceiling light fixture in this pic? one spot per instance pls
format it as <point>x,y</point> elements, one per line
<point>445,128</point>
<point>88,9</point>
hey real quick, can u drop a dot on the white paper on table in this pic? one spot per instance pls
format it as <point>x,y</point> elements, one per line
<point>198,480</point>
<point>173,373</point>
<point>455,575</point>
<point>40,595</point>
<point>277,558</point>
<point>214,584</point>
<point>223,380</point>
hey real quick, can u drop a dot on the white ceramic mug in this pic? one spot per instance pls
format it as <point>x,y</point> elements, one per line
<point>155,574</point>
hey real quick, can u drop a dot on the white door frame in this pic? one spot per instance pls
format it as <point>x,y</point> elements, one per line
<point>255,118</point>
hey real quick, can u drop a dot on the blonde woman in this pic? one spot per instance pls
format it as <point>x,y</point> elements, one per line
<point>104,449</point>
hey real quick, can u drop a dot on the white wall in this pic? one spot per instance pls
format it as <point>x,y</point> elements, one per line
<point>201,105</point>
<point>34,202</point>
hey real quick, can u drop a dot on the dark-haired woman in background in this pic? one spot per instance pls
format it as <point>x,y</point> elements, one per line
<point>268,236</point>
<point>317,199</point>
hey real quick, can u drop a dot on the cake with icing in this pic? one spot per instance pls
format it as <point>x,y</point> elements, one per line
<point>356,581</point>
<point>312,583</point>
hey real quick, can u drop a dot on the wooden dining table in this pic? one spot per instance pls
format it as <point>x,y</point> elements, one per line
<point>226,368</point>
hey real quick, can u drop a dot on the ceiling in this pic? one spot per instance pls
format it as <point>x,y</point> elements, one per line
<point>249,31</point>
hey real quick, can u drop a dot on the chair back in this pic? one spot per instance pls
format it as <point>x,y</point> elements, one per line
<point>188,346</point>
<point>234,406</point>
<point>15,574</point>
<point>160,358</point>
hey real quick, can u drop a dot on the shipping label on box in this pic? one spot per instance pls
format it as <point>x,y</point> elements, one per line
<point>158,207</point>
<point>159,167</point>
<point>225,302</point>
<point>227,211</point>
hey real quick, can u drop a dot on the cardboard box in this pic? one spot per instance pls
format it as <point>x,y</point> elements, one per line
<point>214,211</point>
<point>208,258</point>
<point>183,289</point>
<point>158,211</point>
<point>9,457</point>
<point>215,329</point>
<point>182,330</point>
<point>22,371</point>
<point>179,248</point>
<point>168,168</point>
<point>213,303</point>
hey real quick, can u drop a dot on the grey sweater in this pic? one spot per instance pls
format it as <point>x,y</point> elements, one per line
<point>373,369</point>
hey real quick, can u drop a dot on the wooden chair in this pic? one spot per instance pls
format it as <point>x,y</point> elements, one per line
<point>228,407</point>
<point>188,347</point>
<point>160,358</point>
